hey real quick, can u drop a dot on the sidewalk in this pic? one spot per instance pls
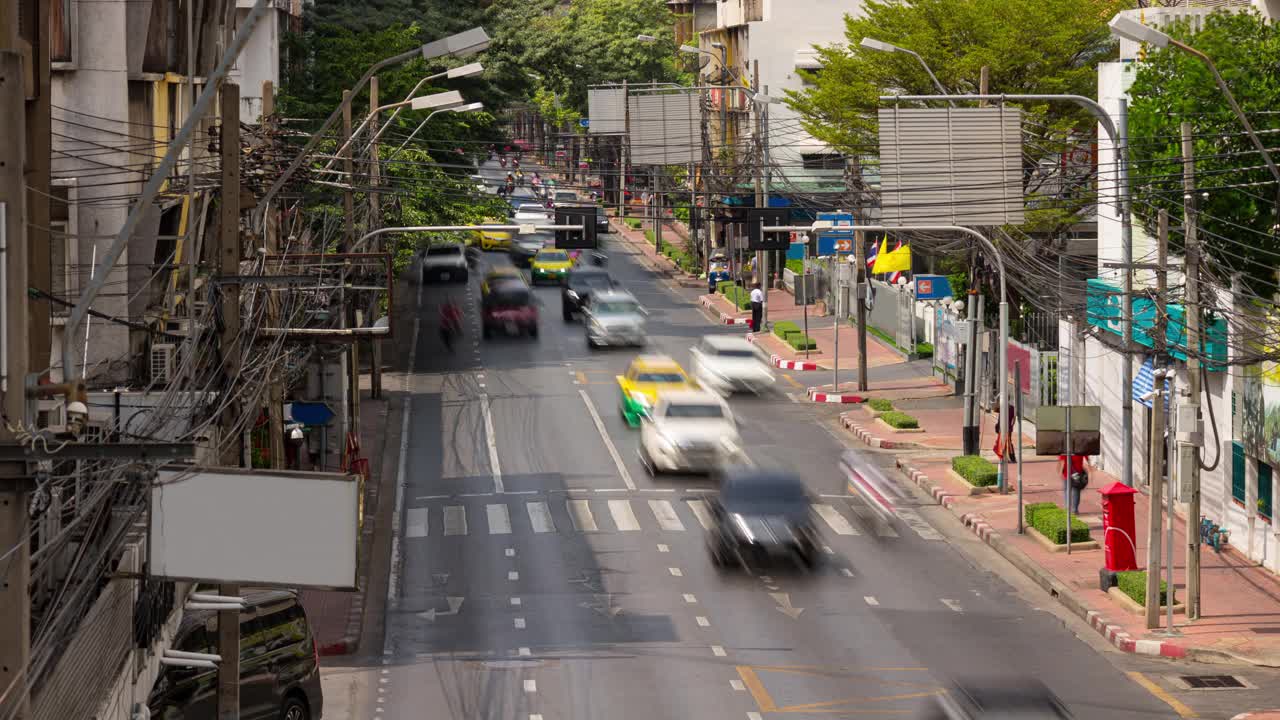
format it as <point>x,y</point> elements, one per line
<point>1240,603</point>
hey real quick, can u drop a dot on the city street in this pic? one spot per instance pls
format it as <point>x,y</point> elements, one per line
<point>542,572</point>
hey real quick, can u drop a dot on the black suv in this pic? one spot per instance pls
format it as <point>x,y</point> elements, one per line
<point>602,221</point>
<point>279,664</point>
<point>579,283</point>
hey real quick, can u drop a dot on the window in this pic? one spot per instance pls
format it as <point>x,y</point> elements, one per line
<point>64,249</point>
<point>1264,490</point>
<point>62,29</point>
<point>694,411</point>
<point>1237,472</point>
<point>660,377</point>
<point>823,161</point>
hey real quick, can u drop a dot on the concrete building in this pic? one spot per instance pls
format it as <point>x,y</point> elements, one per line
<point>260,62</point>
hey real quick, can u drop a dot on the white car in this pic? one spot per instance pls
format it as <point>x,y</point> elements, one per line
<point>689,431</point>
<point>444,263</point>
<point>729,363</point>
<point>532,214</point>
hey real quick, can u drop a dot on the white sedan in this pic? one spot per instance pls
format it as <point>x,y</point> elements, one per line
<point>728,364</point>
<point>690,431</point>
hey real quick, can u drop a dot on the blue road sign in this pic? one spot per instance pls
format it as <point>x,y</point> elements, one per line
<point>312,413</point>
<point>932,287</point>
<point>585,122</point>
<point>835,241</point>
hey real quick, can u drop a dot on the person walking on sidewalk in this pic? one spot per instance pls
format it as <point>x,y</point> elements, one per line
<point>1076,477</point>
<point>757,307</point>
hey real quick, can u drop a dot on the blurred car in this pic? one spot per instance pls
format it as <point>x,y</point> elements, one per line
<point>507,305</point>
<point>579,283</point>
<point>550,265</point>
<point>615,317</point>
<point>526,245</point>
<point>690,431</point>
<point>497,274</point>
<point>564,197</point>
<point>1021,697</point>
<point>865,478</point>
<point>602,221</point>
<point>279,664</point>
<point>521,197</point>
<point>761,517</point>
<point>717,271</point>
<point>645,380</point>
<point>495,239</point>
<point>730,363</point>
<point>532,214</point>
<point>447,262</point>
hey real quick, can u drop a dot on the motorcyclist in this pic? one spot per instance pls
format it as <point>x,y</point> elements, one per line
<point>502,161</point>
<point>450,322</point>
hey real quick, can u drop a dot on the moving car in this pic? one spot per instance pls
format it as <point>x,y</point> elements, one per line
<point>525,246</point>
<point>717,271</point>
<point>648,377</point>
<point>691,431</point>
<point>579,283</point>
<point>550,265</point>
<point>279,664</point>
<point>521,197</point>
<point>507,305</point>
<point>495,239</point>
<point>615,317</point>
<point>602,221</point>
<point>761,517</point>
<point>532,214</point>
<point>565,197</point>
<point>445,263</point>
<point>730,363</point>
<point>1017,697</point>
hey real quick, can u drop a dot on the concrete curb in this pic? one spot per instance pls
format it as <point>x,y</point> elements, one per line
<point>1114,634</point>
<point>778,362</point>
<point>1258,715</point>
<point>837,398</point>
<point>874,441</point>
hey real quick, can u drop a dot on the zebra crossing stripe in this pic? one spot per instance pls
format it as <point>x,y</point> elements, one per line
<point>666,515</point>
<point>580,514</point>
<point>699,508</point>
<point>837,522</point>
<point>623,517</point>
<point>499,519</point>
<point>416,525</point>
<point>540,517</point>
<point>455,520</point>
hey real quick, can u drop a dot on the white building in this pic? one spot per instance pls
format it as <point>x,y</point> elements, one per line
<point>260,60</point>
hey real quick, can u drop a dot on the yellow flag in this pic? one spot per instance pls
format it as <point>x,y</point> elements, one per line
<point>888,261</point>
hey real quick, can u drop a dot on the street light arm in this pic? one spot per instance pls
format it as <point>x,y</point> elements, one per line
<point>414,134</point>
<point>932,77</point>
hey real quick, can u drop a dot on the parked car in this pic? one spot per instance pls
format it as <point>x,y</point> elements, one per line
<point>615,317</point>
<point>279,664</point>
<point>730,363</point>
<point>525,247</point>
<point>508,305</point>
<point>579,284</point>
<point>602,221</point>
<point>761,517</point>
<point>445,263</point>
<point>690,431</point>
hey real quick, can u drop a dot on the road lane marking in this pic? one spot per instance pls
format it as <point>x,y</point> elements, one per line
<point>455,520</point>
<point>531,686</point>
<point>754,716</point>
<point>752,681</point>
<point>666,515</point>
<point>580,513</point>
<point>1150,686</point>
<point>524,652</point>
<point>540,517</point>
<point>535,716</point>
<point>608,444</point>
<point>702,621</point>
<point>699,508</point>
<point>513,576</point>
<point>515,601</point>
<point>499,519</point>
<point>718,651</point>
<point>676,572</point>
<point>519,623</point>
<point>918,524</point>
<point>837,522</point>
<point>846,572</point>
<point>393,575</point>
<point>827,549</point>
<point>623,517</point>
<point>689,598</point>
<point>871,600</point>
<point>663,548</point>
<point>417,525</point>
<point>495,468</point>
<point>737,685</point>
<point>953,604</point>
<point>510,552</point>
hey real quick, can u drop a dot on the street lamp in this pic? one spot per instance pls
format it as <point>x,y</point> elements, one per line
<point>1126,27</point>
<point>472,107</point>
<point>724,68</point>
<point>881,46</point>
<point>443,101</point>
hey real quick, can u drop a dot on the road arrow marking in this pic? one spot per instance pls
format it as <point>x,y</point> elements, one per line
<point>603,605</point>
<point>784,605</point>
<point>455,603</point>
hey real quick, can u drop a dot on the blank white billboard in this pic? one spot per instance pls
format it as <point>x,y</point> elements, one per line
<point>607,110</point>
<point>256,527</point>
<point>666,129</point>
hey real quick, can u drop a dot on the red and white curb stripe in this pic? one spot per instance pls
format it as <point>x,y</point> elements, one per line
<point>1115,634</point>
<point>840,398</point>
<point>778,362</point>
<point>730,320</point>
<point>865,436</point>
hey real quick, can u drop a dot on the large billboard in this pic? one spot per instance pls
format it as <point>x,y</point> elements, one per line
<point>255,527</point>
<point>607,110</point>
<point>666,129</point>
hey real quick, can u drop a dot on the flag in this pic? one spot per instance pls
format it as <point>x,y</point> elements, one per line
<point>871,257</point>
<point>893,279</point>
<point>892,261</point>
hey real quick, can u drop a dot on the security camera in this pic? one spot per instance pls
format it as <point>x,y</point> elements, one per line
<point>77,417</point>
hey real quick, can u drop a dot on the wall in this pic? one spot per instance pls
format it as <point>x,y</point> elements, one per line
<point>259,62</point>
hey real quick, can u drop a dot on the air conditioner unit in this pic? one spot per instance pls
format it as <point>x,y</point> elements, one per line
<point>162,364</point>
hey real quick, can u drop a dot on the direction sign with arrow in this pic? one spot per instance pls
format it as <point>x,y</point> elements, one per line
<point>784,605</point>
<point>455,603</point>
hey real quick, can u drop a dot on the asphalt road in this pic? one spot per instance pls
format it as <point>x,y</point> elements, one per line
<point>543,574</point>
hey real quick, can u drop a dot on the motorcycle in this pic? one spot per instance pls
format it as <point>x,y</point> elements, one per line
<point>502,162</point>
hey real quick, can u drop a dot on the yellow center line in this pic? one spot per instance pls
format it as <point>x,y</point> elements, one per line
<point>1159,692</point>
<point>752,681</point>
<point>793,381</point>
<point>582,377</point>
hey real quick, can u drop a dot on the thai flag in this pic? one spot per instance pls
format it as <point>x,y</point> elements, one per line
<point>871,256</point>
<point>893,279</point>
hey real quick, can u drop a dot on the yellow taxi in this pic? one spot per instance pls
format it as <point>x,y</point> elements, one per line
<point>647,378</point>
<point>550,265</point>
<point>495,239</point>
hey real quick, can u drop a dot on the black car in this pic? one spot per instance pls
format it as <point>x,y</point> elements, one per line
<point>579,283</point>
<point>760,517</point>
<point>602,221</point>
<point>279,664</point>
<point>525,246</point>
<point>1017,697</point>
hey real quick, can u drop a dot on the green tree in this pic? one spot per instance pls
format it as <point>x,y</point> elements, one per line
<point>1237,195</point>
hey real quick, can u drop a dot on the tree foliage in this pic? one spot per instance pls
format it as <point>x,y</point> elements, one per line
<point>1237,195</point>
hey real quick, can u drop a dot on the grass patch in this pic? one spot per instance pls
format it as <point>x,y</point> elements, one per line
<point>979,471</point>
<point>633,223</point>
<point>1134,584</point>
<point>879,404</point>
<point>796,266</point>
<point>900,420</point>
<point>1052,523</point>
<point>924,350</point>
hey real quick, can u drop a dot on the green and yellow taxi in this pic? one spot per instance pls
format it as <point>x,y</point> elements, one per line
<point>495,239</point>
<point>648,377</point>
<point>550,265</point>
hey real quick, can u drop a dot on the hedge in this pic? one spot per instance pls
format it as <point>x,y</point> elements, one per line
<point>1052,523</point>
<point>724,284</point>
<point>783,328</point>
<point>879,404</point>
<point>633,223</point>
<point>979,471</point>
<point>900,420</point>
<point>739,297</point>
<point>800,341</point>
<point>1029,511</point>
<point>924,350</point>
<point>1134,584</point>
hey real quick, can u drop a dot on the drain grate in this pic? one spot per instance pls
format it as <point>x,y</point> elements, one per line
<point>1212,682</point>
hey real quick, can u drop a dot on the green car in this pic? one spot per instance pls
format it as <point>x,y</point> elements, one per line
<point>550,265</point>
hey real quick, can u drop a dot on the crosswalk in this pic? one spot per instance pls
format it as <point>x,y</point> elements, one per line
<point>566,515</point>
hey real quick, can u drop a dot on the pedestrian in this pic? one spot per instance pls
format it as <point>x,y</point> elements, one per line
<point>757,306</point>
<point>1004,440</point>
<point>1075,476</point>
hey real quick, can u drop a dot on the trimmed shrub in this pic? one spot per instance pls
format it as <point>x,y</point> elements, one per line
<point>879,404</point>
<point>739,296</point>
<point>723,285</point>
<point>979,471</point>
<point>800,341</point>
<point>783,328</point>
<point>633,223</point>
<point>1029,511</point>
<point>1134,584</point>
<point>900,420</point>
<point>1052,523</point>
<point>795,266</point>
<point>924,350</point>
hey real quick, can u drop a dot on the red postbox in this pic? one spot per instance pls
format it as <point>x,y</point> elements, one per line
<point>1120,538</point>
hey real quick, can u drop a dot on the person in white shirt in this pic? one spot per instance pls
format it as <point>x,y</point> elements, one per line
<point>757,307</point>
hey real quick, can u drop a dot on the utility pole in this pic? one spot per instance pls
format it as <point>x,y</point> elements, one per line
<point>1126,310</point>
<point>271,229</point>
<point>860,276</point>
<point>229,266</point>
<point>623,149</point>
<point>756,134</point>
<point>1155,453</point>
<point>375,222</point>
<point>348,200</point>
<point>970,432</point>
<point>1188,440</point>
<point>657,212</point>
<point>348,205</point>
